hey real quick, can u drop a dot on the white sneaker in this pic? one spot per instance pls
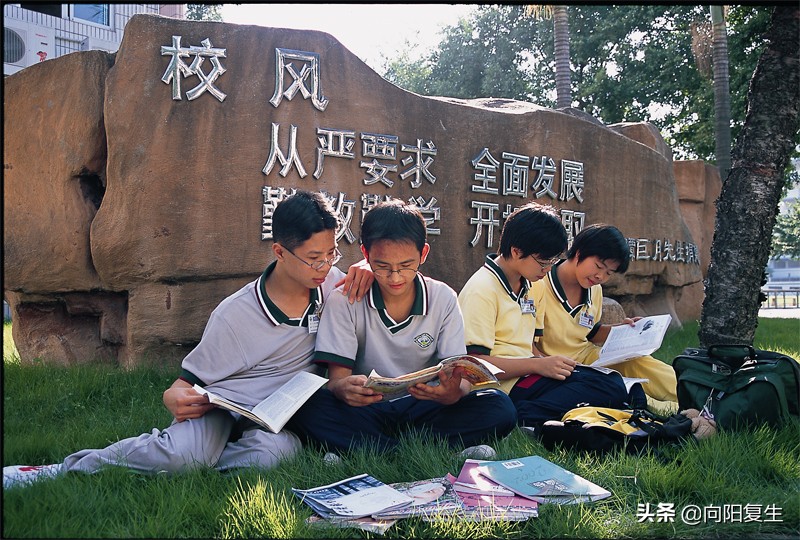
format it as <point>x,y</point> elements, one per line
<point>482,451</point>
<point>332,459</point>
<point>23,475</point>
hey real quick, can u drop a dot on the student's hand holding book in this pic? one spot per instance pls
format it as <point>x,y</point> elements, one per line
<point>451,388</point>
<point>351,389</point>
<point>184,402</point>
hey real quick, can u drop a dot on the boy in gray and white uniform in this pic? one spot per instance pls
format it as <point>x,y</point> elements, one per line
<point>408,322</point>
<point>255,340</point>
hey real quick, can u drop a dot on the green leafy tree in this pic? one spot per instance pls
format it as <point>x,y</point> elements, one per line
<point>204,12</point>
<point>786,235</point>
<point>629,63</point>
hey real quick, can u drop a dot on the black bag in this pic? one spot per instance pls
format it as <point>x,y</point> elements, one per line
<point>739,386</point>
<point>601,429</point>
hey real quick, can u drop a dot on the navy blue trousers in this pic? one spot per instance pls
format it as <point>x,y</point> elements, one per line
<point>549,399</point>
<point>331,423</point>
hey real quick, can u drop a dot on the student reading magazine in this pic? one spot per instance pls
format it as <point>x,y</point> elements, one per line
<point>407,321</point>
<point>504,319</point>
<point>255,340</point>
<point>574,294</point>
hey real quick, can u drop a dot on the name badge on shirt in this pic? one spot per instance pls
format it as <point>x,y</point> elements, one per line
<point>528,307</point>
<point>586,320</point>
<point>313,323</point>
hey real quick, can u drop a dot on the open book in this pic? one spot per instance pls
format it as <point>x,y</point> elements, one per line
<point>477,371</point>
<point>625,341</point>
<point>278,408</point>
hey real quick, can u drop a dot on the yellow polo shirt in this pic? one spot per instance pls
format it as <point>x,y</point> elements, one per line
<point>497,321</point>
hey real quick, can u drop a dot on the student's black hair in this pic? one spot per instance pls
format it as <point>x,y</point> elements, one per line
<point>603,241</point>
<point>533,229</point>
<point>301,215</point>
<point>394,220</point>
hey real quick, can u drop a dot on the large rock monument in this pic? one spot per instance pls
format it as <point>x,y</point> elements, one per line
<point>139,186</point>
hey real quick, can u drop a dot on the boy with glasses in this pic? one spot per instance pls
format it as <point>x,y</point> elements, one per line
<point>406,322</point>
<point>504,317</point>
<point>574,293</point>
<point>255,340</point>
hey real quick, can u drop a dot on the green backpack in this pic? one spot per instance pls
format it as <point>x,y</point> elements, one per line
<point>739,386</point>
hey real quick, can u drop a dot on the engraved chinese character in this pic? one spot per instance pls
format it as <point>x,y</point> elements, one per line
<point>486,165</point>
<point>344,209</point>
<point>430,212</point>
<point>571,180</point>
<point>515,174</point>
<point>271,197</point>
<point>286,161</point>
<point>484,218</point>
<point>178,68</point>
<point>573,222</point>
<point>310,68</point>
<point>669,255</point>
<point>641,249</point>
<point>657,255</point>
<point>420,166</point>
<point>546,171</point>
<point>378,146</point>
<point>335,143</point>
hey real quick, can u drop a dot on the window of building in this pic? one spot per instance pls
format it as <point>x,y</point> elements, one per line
<point>54,10</point>
<point>96,13</point>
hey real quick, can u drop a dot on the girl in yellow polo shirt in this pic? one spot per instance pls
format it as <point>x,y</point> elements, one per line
<point>573,293</point>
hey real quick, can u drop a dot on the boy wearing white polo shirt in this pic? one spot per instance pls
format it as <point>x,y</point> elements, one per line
<point>574,292</point>
<point>255,340</point>
<point>504,319</point>
<point>407,322</point>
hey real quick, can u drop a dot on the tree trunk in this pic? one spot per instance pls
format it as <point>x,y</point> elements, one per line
<point>561,44</point>
<point>748,204</point>
<point>722,96</point>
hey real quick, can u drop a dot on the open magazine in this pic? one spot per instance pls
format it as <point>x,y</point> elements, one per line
<point>278,408</point>
<point>625,341</point>
<point>356,497</point>
<point>477,371</point>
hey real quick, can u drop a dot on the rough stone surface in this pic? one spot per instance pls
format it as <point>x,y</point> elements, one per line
<point>699,185</point>
<point>179,225</point>
<point>612,312</point>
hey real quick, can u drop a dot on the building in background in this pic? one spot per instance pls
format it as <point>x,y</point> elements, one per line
<point>37,32</point>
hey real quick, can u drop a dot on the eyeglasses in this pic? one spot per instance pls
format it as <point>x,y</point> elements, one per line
<point>317,265</point>
<point>547,263</point>
<point>403,272</point>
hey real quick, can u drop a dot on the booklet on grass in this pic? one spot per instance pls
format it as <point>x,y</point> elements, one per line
<point>541,480</point>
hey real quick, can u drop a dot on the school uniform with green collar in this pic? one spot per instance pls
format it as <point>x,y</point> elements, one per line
<point>569,330</point>
<point>249,348</point>
<point>363,337</point>
<point>503,323</point>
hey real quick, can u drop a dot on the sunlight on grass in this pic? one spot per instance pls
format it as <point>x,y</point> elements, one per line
<point>258,511</point>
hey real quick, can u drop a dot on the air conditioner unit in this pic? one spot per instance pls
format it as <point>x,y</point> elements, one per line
<point>95,44</point>
<point>25,44</point>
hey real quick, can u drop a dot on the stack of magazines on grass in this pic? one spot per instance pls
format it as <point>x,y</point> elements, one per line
<point>508,490</point>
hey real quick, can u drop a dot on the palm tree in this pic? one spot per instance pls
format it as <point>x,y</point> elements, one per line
<point>561,45</point>
<point>722,97</point>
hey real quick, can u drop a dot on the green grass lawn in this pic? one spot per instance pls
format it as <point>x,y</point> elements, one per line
<point>746,484</point>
